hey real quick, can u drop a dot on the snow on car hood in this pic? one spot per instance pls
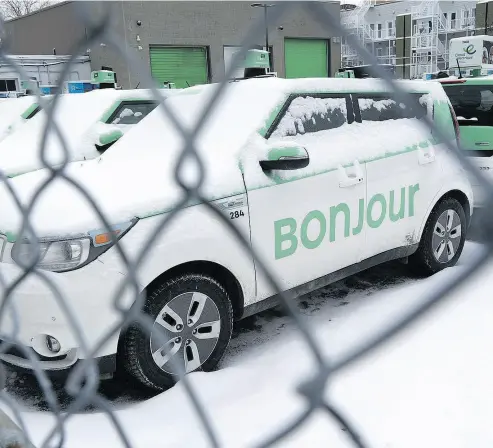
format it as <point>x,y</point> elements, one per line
<point>136,176</point>
<point>75,115</point>
<point>10,112</point>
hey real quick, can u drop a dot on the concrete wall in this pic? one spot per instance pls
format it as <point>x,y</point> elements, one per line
<point>56,27</point>
<point>213,24</point>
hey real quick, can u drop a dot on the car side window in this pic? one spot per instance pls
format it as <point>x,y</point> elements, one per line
<point>472,104</point>
<point>308,114</point>
<point>383,107</point>
<point>131,112</point>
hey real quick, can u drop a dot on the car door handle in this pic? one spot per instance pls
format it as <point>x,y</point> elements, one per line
<point>426,155</point>
<point>482,143</point>
<point>347,180</point>
<point>350,181</point>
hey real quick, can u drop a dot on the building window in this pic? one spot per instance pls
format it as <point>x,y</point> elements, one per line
<point>8,85</point>
<point>453,20</point>
<point>372,30</point>
<point>379,30</point>
<point>390,29</point>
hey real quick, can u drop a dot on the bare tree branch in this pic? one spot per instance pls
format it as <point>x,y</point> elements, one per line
<point>11,9</point>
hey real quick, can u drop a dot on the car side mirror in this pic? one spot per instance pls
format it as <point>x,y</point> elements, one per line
<point>106,139</point>
<point>109,137</point>
<point>285,156</point>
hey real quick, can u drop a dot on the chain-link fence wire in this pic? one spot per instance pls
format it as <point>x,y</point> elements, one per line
<point>83,380</point>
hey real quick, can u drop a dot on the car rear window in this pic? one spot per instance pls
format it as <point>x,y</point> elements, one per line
<point>472,104</point>
<point>384,107</point>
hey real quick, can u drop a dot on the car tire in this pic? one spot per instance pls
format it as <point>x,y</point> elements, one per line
<point>443,239</point>
<point>180,308</point>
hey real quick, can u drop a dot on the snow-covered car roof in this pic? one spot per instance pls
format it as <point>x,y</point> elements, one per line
<point>77,117</point>
<point>136,177</point>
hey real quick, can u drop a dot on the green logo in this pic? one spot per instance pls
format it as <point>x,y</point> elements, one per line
<point>288,233</point>
<point>470,49</point>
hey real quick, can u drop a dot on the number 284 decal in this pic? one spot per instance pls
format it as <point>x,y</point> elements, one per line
<point>236,214</point>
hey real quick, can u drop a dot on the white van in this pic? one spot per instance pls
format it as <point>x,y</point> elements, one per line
<point>322,177</point>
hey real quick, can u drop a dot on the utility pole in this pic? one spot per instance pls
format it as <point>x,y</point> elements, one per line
<point>265,6</point>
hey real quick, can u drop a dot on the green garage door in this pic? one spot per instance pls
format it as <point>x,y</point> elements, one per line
<point>180,65</point>
<point>306,58</point>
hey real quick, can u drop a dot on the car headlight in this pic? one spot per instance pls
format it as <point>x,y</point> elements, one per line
<point>60,255</point>
<point>55,256</point>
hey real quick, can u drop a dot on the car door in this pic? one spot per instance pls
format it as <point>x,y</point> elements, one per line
<point>473,106</point>
<point>305,223</point>
<point>401,169</point>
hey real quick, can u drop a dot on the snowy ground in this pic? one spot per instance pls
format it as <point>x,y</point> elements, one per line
<point>430,387</point>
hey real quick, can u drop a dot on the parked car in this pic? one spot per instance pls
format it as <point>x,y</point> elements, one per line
<point>472,100</point>
<point>322,177</point>
<point>90,123</point>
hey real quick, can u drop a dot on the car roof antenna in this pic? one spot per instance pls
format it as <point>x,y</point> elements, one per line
<point>458,65</point>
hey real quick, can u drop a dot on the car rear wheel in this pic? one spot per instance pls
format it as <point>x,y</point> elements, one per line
<point>442,240</point>
<point>192,325</point>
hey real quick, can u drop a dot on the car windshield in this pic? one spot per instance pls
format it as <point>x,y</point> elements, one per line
<point>472,103</point>
<point>131,112</point>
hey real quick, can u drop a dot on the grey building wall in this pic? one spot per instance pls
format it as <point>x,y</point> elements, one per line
<point>55,27</point>
<point>213,24</point>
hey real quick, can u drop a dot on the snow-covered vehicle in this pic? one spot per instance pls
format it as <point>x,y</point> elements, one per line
<point>472,100</point>
<point>323,177</point>
<point>89,123</point>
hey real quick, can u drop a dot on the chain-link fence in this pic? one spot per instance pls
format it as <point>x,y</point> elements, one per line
<point>83,381</point>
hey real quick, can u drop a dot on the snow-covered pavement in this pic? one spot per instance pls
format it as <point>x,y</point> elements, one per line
<point>430,387</point>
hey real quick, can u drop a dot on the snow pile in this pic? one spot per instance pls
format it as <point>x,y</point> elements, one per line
<point>136,177</point>
<point>428,387</point>
<point>368,103</point>
<point>10,113</point>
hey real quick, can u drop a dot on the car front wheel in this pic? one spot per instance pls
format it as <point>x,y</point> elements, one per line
<point>443,238</point>
<point>192,325</point>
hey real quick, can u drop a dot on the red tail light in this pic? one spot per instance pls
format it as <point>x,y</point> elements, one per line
<point>452,81</point>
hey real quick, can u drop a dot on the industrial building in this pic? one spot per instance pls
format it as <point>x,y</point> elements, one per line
<point>45,70</point>
<point>182,42</point>
<point>423,28</point>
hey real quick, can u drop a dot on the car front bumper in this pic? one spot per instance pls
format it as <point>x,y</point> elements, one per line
<point>79,318</point>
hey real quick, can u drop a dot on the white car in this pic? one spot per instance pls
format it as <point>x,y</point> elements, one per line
<point>90,123</point>
<point>322,177</point>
